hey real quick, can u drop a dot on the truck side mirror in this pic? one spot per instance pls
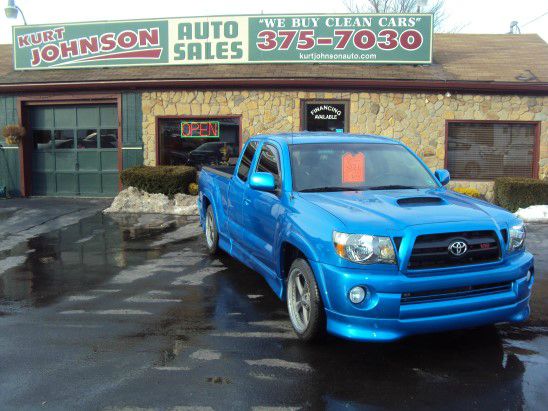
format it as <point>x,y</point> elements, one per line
<point>443,176</point>
<point>262,181</point>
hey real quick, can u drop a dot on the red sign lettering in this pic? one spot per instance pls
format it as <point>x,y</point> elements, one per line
<point>353,168</point>
<point>200,129</point>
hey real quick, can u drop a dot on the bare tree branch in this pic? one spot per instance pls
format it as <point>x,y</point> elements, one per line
<point>436,7</point>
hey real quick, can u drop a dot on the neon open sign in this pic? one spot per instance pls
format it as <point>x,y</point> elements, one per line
<point>200,129</point>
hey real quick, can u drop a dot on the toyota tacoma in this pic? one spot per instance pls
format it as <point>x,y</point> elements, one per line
<point>362,240</point>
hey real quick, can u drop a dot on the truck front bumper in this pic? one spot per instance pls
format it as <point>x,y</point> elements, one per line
<point>399,305</point>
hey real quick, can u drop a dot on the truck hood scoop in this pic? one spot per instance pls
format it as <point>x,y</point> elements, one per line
<point>399,208</point>
<point>417,201</point>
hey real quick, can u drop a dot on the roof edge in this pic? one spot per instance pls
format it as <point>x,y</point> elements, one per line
<point>468,87</point>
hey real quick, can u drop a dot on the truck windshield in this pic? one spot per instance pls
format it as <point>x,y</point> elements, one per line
<point>356,166</point>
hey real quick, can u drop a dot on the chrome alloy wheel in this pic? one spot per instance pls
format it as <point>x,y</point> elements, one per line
<point>298,301</point>
<point>209,231</point>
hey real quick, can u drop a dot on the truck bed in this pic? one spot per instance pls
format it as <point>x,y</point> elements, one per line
<point>215,182</point>
<point>225,171</point>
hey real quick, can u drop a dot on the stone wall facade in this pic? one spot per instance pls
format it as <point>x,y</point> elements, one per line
<point>417,119</point>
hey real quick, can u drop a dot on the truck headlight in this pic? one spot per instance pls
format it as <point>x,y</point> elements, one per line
<point>364,249</point>
<point>516,238</point>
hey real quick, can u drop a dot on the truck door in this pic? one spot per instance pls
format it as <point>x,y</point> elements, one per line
<point>262,209</point>
<point>236,193</point>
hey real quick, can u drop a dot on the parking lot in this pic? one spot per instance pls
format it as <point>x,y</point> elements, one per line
<point>123,312</point>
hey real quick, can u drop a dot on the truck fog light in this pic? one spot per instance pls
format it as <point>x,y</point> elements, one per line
<point>357,294</point>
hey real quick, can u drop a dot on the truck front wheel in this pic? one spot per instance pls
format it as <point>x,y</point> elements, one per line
<point>211,233</point>
<point>304,302</point>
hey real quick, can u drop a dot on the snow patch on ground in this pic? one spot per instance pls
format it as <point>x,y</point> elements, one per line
<point>197,277</point>
<point>11,262</point>
<point>205,355</point>
<point>172,368</point>
<point>275,362</point>
<point>536,213</point>
<point>145,298</point>
<point>170,262</point>
<point>282,324</point>
<point>82,297</point>
<point>256,334</point>
<point>107,312</point>
<point>133,200</point>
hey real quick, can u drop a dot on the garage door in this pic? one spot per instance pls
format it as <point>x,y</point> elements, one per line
<point>75,150</point>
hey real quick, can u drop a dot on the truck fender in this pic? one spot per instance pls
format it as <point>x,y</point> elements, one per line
<point>207,199</point>
<point>298,242</point>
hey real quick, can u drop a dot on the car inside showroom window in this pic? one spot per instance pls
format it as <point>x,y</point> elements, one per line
<point>198,141</point>
<point>487,150</point>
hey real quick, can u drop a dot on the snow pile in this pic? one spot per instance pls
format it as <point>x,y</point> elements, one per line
<point>133,200</point>
<point>536,213</point>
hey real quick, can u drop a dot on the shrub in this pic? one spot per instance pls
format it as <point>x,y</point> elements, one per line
<point>469,191</point>
<point>13,133</point>
<point>13,130</point>
<point>513,192</point>
<point>168,180</point>
<point>193,189</point>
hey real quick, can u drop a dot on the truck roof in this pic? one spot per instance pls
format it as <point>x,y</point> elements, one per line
<point>310,137</point>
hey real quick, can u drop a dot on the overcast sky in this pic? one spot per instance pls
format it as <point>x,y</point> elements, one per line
<point>475,16</point>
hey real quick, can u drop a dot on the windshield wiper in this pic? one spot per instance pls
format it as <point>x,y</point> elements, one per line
<point>391,187</point>
<point>327,189</point>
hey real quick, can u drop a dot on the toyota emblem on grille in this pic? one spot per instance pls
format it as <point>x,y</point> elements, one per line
<point>458,248</point>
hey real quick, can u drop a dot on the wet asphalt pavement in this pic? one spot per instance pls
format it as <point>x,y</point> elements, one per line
<point>100,312</point>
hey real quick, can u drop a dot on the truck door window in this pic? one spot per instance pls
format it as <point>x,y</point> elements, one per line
<point>269,162</point>
<point>247,158</point>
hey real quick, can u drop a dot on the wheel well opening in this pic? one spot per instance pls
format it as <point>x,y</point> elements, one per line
<point>205,203</point>
<point>288,255</point>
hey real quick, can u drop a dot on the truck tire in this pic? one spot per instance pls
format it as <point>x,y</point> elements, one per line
<point>304,302</point>
<point>211,233</point>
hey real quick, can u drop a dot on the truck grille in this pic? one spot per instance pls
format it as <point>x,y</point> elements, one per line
<point>432,250</point>
<point>454,293</point>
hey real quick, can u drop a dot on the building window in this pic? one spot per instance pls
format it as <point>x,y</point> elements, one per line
<point>325,116</point>
<point>484,150</point>
<point>198,141</point>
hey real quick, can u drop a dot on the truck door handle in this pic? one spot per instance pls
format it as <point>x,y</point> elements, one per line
<point>247,201</point>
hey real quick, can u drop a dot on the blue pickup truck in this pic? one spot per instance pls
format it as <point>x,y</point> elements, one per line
<point>361,240</point>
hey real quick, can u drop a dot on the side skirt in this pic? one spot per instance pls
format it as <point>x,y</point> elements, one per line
<point>235,251</point>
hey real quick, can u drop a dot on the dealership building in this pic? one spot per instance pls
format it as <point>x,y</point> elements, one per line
<point>479,108</point>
